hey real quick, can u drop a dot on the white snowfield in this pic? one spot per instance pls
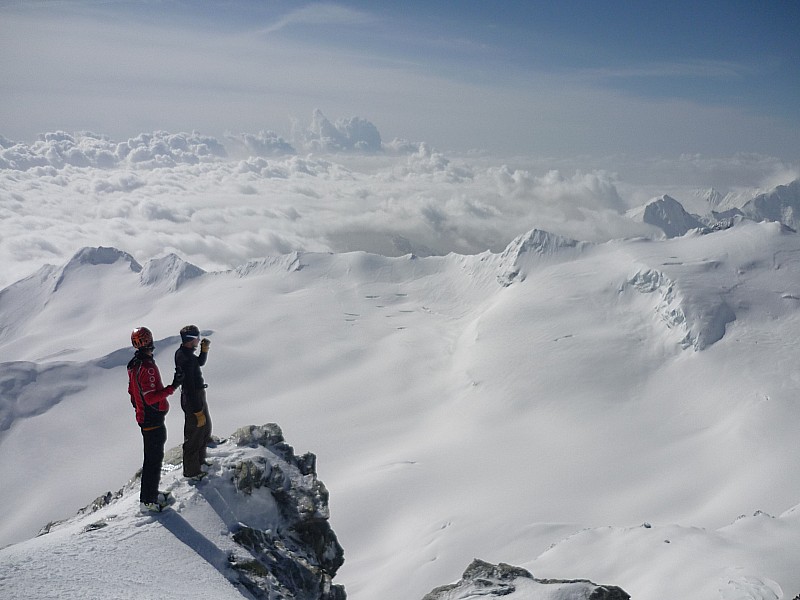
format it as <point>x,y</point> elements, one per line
<point>623,412</point>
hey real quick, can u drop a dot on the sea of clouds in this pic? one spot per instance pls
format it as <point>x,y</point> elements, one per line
<point>333,187</point>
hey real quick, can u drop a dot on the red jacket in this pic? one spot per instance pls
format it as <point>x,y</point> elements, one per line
<point>148,393</point>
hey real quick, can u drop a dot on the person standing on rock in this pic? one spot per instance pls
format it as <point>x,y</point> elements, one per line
<point>197,422</point>
<point>149,399</point>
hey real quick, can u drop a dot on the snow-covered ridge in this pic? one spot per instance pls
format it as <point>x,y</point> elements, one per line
<point>94,257</point>
<point>257,527</point>
<point>685,300</point>
<point>781,204</point>
<point>289,262</point>
<point>393,368</point>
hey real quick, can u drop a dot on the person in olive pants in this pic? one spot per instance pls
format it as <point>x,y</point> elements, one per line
<point>197,422</point>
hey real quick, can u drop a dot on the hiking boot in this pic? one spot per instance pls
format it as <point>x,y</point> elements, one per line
<point>195,478</point>
<point>153,507</point>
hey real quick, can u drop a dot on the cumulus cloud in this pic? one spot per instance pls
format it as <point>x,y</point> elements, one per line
<point>188,194</point>
<point>162,149</point>
<point>147,150</point>
<point>265,143</point>
<point>353,134</point>
<point>596,190</point>
<point>223,213</point>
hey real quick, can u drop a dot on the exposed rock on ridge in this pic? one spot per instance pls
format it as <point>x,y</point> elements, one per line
<point>300,558</point>
<point>484,580</point>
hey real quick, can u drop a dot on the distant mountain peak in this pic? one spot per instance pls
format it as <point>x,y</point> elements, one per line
<point>102,255</point>
<point>170,271</point>
<point>713,197</point>
<point>93,257</point>
<point>530,247</point>
<point>668,214</point>
<point>782,204</point>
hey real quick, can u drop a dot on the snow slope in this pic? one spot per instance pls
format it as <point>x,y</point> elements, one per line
<point>530,407</point>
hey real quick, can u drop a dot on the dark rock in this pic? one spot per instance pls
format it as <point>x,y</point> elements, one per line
<point>299,560</point>
<point>485,580</point>
<point>283,568</point>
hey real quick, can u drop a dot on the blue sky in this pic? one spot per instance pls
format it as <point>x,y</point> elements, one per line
<point>544,78</point>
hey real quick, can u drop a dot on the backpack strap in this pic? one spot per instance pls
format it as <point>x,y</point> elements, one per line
<point>136,364</point>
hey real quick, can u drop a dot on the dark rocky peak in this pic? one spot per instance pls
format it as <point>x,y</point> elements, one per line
<point>668,214</point>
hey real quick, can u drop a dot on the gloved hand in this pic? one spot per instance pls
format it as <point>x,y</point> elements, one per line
<point>178,378</point>
<point>204,344</point>
<point>201,419</point>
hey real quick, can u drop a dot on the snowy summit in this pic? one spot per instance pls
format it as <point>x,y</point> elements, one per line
<point>256,527</point>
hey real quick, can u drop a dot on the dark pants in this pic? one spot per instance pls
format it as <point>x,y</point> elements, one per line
<point>194,442</point>
<point>154,441</point>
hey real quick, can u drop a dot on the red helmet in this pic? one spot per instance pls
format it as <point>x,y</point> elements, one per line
<point>141,337</point>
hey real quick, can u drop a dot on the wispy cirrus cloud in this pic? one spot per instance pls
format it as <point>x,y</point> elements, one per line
<point>321,13</point>
<point>464,81</point>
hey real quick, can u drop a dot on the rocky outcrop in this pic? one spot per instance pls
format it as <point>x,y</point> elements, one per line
<point>485,580</point>
<point>279,544</point>
<point>300,558</point>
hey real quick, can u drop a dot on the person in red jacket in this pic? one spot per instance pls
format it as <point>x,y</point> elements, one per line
<point>149,399</point>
